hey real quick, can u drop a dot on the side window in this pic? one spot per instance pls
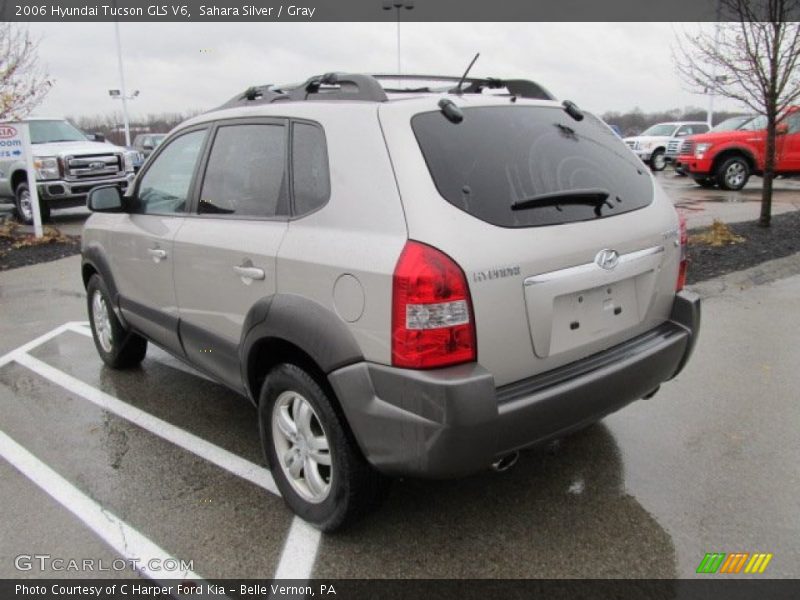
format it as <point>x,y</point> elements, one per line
<point>246,172</point>
<point>700,129</point>
<point>164,188</point>
<point>793,123</point>
<point>310,177</point>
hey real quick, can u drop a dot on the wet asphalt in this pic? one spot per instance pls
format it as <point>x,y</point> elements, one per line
<point>708,465</point>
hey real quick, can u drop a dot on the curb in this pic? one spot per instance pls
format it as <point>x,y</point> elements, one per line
<point>766,272</point>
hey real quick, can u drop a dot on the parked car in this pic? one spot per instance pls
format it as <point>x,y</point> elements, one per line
<point>406,283</point>
<point>136,158</point>
<point>685,146</point>
<point>147,142</point>
<point>68,166</point>
<point>651,145</point>
<point>729,158</point>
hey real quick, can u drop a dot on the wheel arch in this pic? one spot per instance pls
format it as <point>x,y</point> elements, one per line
<point>17,177</point>
<point>291,328</point>
<point>94,262</point>
<point>730,152</point>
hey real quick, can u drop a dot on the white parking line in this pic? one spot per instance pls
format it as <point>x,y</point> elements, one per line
<point>188,441</point>
<point>302,543</point>
<point>123,538</point>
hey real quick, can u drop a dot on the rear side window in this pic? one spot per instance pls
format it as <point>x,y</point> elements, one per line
<point>310,179</point>
<point>246,172</point>
<point>531,157</point>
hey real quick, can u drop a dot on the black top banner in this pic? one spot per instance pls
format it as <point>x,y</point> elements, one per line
<point>362,10</point>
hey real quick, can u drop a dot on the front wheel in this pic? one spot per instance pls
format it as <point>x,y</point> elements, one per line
<point>733,173</point>
<point>658,161</point>
<point>118,347</point>
<point>24,205</point>
<point>316,465</point>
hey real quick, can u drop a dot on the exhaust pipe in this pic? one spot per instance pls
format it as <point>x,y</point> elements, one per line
<point>504,463</point>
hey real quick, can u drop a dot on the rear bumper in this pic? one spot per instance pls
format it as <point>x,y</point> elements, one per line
<point>452,422</point>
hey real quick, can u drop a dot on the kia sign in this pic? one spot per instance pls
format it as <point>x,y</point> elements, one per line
<point>15,144</point>
<point>10,142</point>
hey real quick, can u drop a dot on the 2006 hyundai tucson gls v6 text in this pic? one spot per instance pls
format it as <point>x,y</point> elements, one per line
<point>409,282</point>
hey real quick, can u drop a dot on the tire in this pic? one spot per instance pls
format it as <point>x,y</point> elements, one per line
<point>118,347</point>
<point>733,173</point>
<point>337,494</point>
<point>24,208</point>
<point>658,162</point>
<point>706,182</point>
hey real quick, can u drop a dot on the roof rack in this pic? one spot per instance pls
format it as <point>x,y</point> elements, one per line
<point>340,86</point>
<point>523,88</point>
<point>357,86</point>
<point>260,94</point>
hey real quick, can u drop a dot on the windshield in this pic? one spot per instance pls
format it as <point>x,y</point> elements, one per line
<point>43,132</point>
<point>664,129</point>
<point>499,157</point>
<point>756,124</point>
<point>732,124</point>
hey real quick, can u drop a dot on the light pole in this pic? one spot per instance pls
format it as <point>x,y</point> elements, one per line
<point>715,78</point>
<point>120,95</point>
<point>123,95</point>
<point>398,5</point>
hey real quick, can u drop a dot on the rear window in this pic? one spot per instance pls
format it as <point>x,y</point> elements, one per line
<point>500,156</point>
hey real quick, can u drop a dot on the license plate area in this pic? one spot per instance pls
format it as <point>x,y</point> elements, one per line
<point>579,305</point>
<point>588,315</point>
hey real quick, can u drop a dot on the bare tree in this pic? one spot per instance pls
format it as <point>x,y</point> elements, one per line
<point>23,85</point>
<point>752,57</point>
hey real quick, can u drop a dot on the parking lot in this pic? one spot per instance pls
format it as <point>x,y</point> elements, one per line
<point>160,463</point>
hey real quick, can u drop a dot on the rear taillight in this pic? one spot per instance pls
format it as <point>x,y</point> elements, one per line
<point>432,322</point>
<point>683,264</point>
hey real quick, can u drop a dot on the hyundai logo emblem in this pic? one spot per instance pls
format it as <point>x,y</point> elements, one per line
<point>607,259</point>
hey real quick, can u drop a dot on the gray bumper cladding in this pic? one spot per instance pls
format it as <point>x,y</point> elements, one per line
<point>452,422</point>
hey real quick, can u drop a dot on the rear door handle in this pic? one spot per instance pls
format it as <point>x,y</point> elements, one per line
<point>249,273</point>
<point>157,253</point>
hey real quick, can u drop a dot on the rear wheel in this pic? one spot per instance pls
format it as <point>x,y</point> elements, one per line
<point>118,347</point>
<point>658,161</point>
<point>316,465</point>
<point>24,205</point>
<point>733,173</point>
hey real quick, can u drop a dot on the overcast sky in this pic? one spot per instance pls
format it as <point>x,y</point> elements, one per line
<point>189,66</point>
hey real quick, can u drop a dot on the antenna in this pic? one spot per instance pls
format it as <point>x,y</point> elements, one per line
<point>464,76</point>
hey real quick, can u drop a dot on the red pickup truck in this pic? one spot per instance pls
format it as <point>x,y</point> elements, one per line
<point>728,158</point>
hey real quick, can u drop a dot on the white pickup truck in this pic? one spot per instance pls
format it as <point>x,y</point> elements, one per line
<point>659,144</point>
<point>67,165</point>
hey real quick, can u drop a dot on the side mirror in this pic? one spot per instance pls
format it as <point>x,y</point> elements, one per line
<point>96,137</point>
<point>104,199</point>
<point>782,128</point>
<point>147,146</point>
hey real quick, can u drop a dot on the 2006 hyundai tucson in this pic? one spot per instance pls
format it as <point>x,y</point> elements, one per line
<point>413,282</point>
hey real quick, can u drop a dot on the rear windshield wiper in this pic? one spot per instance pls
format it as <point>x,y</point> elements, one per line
<point>591,197</point>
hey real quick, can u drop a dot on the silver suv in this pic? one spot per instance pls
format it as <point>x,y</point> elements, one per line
<point>408,282</point>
